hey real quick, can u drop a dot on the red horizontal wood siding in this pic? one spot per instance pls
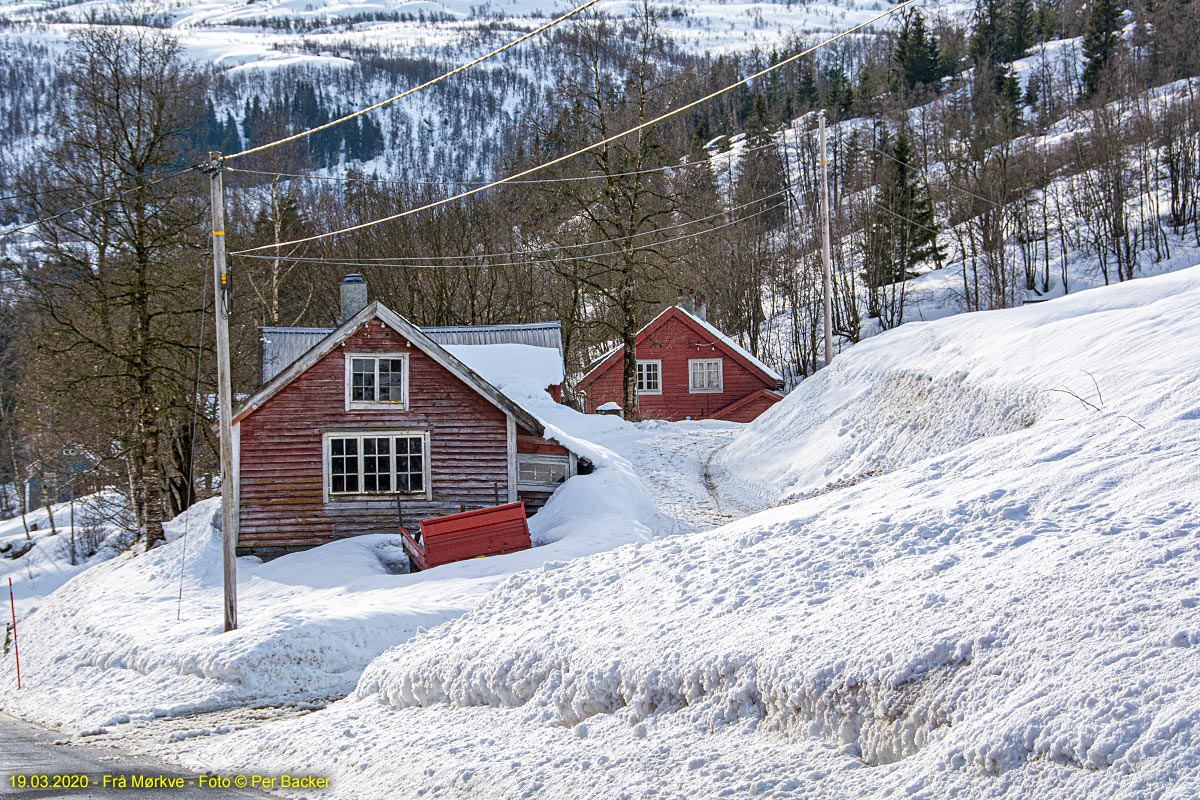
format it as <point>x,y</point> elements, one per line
<point>282,492</point>
<point>748,408</point>
<point>675,343</point>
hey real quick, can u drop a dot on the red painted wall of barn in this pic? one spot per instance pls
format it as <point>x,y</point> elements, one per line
<point>749,411</point>
<point>282,498</point>
<point>675,342</point>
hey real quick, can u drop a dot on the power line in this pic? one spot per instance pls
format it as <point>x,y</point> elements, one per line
<point>60,190</point>
<point>512,253</point>
<point>903,218</point>
<point>949,183</point>
<point>415,89</point>
<point>86,206</point>
<point>640,127</point>
<point>588,257</point>
<point>401,182</point>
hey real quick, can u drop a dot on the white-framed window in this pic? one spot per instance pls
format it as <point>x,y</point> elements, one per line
<point>376,380</point>
<point>542,471</point>
<point>649,377</point>
<point>376,463</point>
<point>706,375</point>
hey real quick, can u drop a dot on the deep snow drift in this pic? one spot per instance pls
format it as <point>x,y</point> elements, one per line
<point>116,643</point>
<point>991,589</point>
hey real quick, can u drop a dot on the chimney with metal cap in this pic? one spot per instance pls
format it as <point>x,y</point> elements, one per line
<point>354,295</point>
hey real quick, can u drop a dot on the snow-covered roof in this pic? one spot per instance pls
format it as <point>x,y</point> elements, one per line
<point>281,346</point>
<point>512,365</point>
<point>441,355</point>
<point>709,328</point>
<point>731,344</point>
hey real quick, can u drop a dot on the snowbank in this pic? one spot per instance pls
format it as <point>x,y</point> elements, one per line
<point>1008,609</point>
<point>50,546</point>
<point>930,388</point>
<point>116,643</point>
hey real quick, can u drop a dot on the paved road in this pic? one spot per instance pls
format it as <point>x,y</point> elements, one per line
<point>27,749</point>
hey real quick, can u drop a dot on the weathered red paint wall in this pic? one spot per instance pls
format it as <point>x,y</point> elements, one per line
<point>749,411</point>
<point>281,450</point>
<point>675,343</point>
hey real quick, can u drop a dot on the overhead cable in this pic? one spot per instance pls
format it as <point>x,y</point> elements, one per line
<point>534,261</point>
<point>609,140</point>
<point>86,206</point>
<point>567,179</point>
<point>415,89</point>
<point>514,253</point>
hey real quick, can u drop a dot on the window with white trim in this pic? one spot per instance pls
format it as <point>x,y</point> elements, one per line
<point>705,375</point>
<point>542,470</point>
<point>376,380</point>
<point>377,463</point>
<point>649,377</point>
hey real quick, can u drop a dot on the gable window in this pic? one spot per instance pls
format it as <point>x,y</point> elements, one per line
<point>649,377</point>
<point>541,472</point>
<point>376,380</point>
<point>387,463</point>
<point>705,375</point>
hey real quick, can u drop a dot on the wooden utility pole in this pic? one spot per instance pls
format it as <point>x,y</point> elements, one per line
<point>826,267</point>
<point>224,390</point>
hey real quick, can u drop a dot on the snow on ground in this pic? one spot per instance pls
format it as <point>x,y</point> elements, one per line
<point>36,551</point>
<point>1009,608</point>
<point>711,25</point>
<point>310,622</point>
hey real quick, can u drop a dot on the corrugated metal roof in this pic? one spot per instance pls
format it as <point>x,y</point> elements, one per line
<point>282,346</point>
<point>537,334</point>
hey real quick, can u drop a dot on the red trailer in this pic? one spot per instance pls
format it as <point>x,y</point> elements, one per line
<point>483,532</point>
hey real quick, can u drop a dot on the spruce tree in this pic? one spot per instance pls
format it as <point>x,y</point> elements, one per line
<point>1019,34</point>
<point>904,234</point>
<point>986,47</point>
<point>1100,41</point>
<point>915,60</point>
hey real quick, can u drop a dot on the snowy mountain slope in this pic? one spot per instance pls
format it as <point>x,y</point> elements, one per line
<point>1009,610</point>
<point>709,25</point>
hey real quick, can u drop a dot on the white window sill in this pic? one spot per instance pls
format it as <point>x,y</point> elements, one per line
<point>538,487</point>
<point>364,405</point>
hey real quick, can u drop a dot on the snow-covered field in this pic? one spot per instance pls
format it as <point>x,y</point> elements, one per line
<point>979,576</point>
<point>990,589</point>
<point>36,552</point>
<point>142,632</point>
<point>424,25</point>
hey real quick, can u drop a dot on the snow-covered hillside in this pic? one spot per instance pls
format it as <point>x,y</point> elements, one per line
<point>419,25</point>
<point>993,591</point>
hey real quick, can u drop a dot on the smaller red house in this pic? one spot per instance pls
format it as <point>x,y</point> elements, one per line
<point>687,369</point>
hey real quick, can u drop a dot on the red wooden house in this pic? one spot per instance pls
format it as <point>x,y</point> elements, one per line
<point>375,421</point>
<point>686,369</point>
